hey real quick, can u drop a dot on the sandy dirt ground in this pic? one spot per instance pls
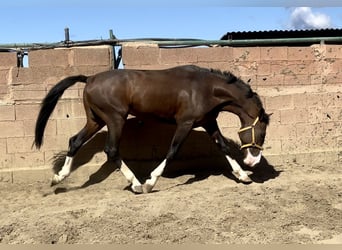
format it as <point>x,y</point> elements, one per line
<point>285,204</point>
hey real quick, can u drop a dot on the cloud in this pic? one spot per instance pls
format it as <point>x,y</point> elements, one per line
<point>305,18</point>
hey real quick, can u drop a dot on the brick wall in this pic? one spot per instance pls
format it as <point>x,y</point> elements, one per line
<point>301,86</point>
<point>21,92</point>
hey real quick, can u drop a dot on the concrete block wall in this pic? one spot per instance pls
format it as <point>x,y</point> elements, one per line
<point>21,92</point>
<point>301,86</point>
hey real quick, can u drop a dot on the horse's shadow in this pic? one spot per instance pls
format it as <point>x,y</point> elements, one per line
<point>144,145</point>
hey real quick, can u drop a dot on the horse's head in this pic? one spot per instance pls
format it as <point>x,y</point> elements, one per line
<point>252,138</point>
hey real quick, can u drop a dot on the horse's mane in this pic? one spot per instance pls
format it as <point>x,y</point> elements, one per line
<point>249,93</point>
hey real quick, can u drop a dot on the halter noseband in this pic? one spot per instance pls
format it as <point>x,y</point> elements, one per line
<point>253,144</point>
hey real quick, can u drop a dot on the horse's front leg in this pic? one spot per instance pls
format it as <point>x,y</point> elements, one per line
<point>215,133</point>
<point>180,135</point>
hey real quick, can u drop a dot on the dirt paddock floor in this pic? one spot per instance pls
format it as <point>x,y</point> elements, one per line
<point>285,204</point>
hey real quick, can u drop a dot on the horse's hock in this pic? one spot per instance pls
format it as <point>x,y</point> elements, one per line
<point>301,86</point>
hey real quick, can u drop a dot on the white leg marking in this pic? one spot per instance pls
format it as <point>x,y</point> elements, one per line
<point>251,160</point>
<point>237,170</point>
<point>129,175</point>
<point>156,173</point>
<point>64,172</point>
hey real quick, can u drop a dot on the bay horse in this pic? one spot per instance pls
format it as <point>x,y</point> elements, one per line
<point>188,96</point>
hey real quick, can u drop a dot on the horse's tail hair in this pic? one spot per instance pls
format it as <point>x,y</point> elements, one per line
<point>49,103</point>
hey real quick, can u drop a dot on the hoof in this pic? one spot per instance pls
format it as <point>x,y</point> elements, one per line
<point>137,189</point>
<point>147,188</point>
<point>55,180</point>
<point>245,180</point>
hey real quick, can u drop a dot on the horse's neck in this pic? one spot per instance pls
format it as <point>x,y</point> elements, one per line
<point>239,104</point>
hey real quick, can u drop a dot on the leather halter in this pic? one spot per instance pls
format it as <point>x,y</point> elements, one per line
<point>253,144</point>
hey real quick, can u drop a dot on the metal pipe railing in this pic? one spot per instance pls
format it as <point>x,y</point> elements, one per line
<point>168,42</point>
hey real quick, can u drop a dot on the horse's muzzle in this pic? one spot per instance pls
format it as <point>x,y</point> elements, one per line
<point>252,160</point>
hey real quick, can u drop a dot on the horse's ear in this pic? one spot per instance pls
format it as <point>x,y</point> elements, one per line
<point>270,114</point>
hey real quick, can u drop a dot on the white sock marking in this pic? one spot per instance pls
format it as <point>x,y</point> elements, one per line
<point>129,175</point>
<point>242,175</point>
<point>156,173</point>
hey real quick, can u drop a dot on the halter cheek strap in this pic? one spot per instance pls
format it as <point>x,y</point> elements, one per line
<point>253,144</point>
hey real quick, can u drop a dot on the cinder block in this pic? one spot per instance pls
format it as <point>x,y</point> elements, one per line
<point>8,59</point>
<point>177,55</point>
<point>333,51</point>
<point>270,80</point>
<point>214,54</point>
<point>293,116</point>
<point>281,131</point>
<point>246,54</point>
<point>50,57</point>
<point>70,126</point>
<point>3,146</point>
<point>20,145</point>
<point>302,53</point>
<point>136,56</point>
<point>273,146</point>
<point>69,109</point>
<point>308,130</point>
<point>11,129</point>
<point>279,102</point>
<point>265,68</point>
<point>293,145</point>
<point>29,127</point>
<point>4,73</point>
<point>273,53</point>
<point>297,80</point>
<point>26,111</point>
<point>28,95</point>
<point>7,112</point>
<point>99,55</point>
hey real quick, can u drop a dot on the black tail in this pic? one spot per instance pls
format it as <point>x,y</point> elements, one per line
<point>49,104</point>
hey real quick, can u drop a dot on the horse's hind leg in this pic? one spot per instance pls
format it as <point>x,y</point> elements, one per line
<point>75,143</point>
<point>115,126</point>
